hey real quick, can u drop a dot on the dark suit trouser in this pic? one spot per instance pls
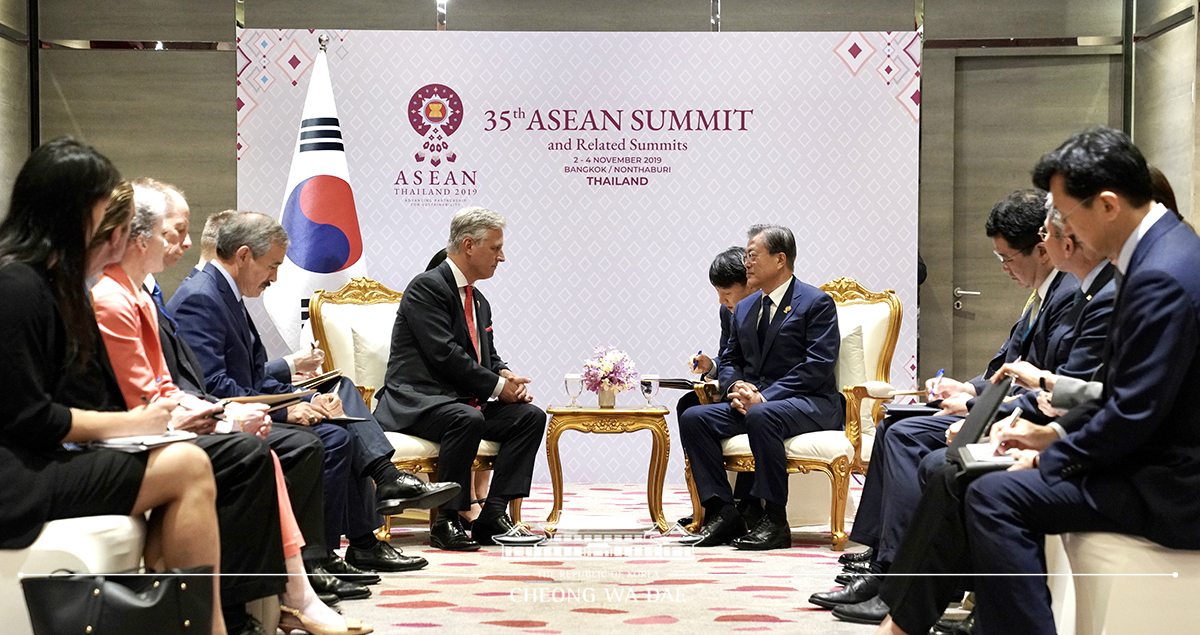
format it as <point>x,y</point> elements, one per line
<point>247,516</point>
<point>702,428</point>
<point>935,543</point>
<point>518,428</point>
<point>302,457</point>
<point>950,539</point>
<point>867,520</point>
<point>892,490</point>
<point>339,447</point>
<point>369,442</point>
<point>1008,515</point>
<point>745,480</point>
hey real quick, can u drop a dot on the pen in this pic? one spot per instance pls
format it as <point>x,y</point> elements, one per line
<point>696,362</point>
<point>937,382</point>
<point>1012,423</point>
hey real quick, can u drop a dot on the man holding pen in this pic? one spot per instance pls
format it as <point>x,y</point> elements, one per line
<point>891,492</point>
<point>213,320</point>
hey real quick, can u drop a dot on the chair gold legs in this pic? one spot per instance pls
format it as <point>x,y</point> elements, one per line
<point>697,510</point>
<point>840,483</point>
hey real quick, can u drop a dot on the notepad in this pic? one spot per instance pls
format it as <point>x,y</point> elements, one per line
<point>136,444</point>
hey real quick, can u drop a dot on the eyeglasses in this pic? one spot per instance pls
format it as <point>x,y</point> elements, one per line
<point>1062,216</point>
<point>749,258</point>
<point>1004,260</point>
<point>1043,234</point>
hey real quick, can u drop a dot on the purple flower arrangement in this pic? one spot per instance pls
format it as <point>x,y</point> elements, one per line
<point>609,369</point>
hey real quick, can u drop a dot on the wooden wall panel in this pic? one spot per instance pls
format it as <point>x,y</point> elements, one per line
<point>138,20</point>
<point>170,115</point>
<point>595,15</point>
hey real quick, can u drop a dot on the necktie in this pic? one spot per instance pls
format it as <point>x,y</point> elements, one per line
<point>1078,304</point>
<point>764,321</point>
<point>1035,305</point>
<point>469,311</point>
<point>156,293</point>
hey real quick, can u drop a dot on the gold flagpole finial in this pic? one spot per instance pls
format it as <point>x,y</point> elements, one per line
<point>324,40</point>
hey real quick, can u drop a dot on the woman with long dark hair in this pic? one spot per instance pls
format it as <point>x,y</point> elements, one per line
<point>46,253</point>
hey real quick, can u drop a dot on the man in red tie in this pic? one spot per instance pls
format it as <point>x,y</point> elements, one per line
<point>446,383</point>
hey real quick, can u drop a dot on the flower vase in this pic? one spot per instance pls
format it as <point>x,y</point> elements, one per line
<point>607,398</point>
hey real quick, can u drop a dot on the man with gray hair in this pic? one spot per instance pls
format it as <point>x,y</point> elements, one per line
<point>208,237</point>
<point>446,383</point>
<point>777,381</point>
<point>213,320</point>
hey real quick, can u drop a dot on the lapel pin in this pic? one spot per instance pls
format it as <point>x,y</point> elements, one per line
<point>787,308</point>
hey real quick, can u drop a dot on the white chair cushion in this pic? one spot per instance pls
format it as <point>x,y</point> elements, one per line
<point>373,322</point>
<point>868,444</point>
<point>410,447</point>
<point>874,320</point>
<point>825,445</point>
<point>371,350</point>
<point>850,370</point>
<point>1111,603</point>
<point>92,544</point>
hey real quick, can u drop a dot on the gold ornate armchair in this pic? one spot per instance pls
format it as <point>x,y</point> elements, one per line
<point>353,325</point>
<point>869,324</point>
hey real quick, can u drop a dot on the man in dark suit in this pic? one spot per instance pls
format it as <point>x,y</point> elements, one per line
<point>446,383</point>
<point>727,275</point>
<point>891,489</point>
<point>301,451</point>
<point>213,320</point>
<point>1131,464</point>
<point>777,378</point>
<point>1077,349</point>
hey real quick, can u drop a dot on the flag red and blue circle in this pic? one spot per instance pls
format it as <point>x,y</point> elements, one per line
<point>322,223</point>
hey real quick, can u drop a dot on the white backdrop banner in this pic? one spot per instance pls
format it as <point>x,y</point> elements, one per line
<point>624,162</point>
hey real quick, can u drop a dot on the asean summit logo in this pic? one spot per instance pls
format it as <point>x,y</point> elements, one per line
<point>435,112</point>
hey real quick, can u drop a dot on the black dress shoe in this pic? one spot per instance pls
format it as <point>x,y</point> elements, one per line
<point>448,534</point>
<point>408,491</point>
<point>324,582</point>
<point>502,530</point>
<point>721,531</point>
<point>857,557</point>
<point>964,626</point>
<point>870,612</point>
<point>859,590</point>
<point>767,534</point>
<point>383,557</point>
<point>846,578</point>
<point>329,599</point>
<point>343,570</point>
<point>252,627</point>
<point>752,512</point>
<point>856,568</point>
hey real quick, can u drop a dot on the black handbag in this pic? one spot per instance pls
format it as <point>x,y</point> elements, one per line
<point>175,602</point>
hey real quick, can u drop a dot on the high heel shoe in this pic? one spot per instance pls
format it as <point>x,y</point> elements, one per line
<point>291,619</point>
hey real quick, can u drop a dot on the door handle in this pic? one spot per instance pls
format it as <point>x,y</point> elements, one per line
<point>958,292</point>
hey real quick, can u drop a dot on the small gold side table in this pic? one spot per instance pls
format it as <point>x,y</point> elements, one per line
<point>611,421</point>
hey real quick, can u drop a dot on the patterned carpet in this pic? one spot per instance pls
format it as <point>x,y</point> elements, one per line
<point>663,592</point>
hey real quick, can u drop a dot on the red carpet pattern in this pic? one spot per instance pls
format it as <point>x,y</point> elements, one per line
<point>717,589</point>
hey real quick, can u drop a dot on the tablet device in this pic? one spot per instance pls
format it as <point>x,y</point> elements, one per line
<point>964,450</point>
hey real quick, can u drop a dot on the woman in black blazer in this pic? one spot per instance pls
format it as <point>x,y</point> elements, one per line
<point>46,254</point>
